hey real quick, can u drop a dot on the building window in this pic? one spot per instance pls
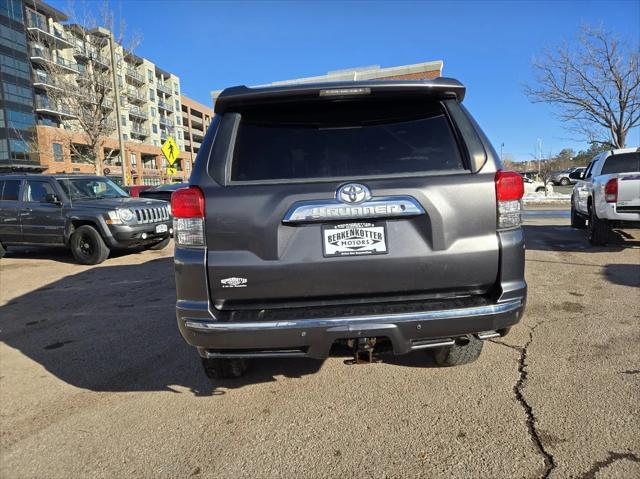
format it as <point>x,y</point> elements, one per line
<point>176,89</point>
<point>133,160</point>
<point>125,137</point>
<point>57,152</point>
<point>178,120</point>
<point>123,120</point>
<point>180,134</point>
<point>150,75</point>
<point>153,112</point>
<point>177,105</point>
<point>155,128</point>
<point>152,95</point>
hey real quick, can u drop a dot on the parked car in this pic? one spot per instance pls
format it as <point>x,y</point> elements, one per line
<point>134,190</point>
<point>162,192</point>
<point>608,195</point>
<point>535,186</point>
<point>90,215</point>
<point>568,176</point>
<point>369,213</point>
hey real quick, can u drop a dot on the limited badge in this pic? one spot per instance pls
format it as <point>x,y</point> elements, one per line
<point>234,282</point>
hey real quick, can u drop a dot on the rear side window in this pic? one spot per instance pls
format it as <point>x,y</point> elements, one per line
<point>9,190</point>
<point>621,163</point>
<point>344,139</point>
<point>37,191</point>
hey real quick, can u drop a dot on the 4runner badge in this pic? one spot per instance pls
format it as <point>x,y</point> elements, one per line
<point>234,282</point>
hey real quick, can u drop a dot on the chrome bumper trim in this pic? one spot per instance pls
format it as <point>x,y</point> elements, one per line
<point>501,308</point>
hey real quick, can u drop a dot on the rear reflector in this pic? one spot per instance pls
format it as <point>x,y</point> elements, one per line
<point>611,191</point>
<point>187,206</point>
<point>509,193</point>
<point>187,203</point>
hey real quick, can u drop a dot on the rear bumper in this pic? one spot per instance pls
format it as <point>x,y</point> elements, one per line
<point>297,334</point>
<point>314,337</point>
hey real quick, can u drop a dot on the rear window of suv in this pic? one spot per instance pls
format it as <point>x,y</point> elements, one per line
<point>344,139</point>
<point>621,163</point>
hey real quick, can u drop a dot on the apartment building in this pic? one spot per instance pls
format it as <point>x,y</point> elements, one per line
<point>141,97</point>
<point>17,120</point>
<point>196,119</point>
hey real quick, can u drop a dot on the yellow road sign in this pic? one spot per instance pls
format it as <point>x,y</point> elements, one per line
<point>171,171</point>
<point>170,150</point>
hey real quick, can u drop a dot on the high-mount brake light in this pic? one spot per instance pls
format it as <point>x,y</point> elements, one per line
<point>611,191</point>
<point>509,193</point>
<point>187,207</point>
<point>345,91</point>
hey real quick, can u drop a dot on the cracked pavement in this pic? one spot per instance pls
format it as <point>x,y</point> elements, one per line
<point>96,381</point>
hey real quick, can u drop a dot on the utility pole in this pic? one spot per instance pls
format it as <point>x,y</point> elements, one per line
<point>540,155</point>
<point>116,92</point>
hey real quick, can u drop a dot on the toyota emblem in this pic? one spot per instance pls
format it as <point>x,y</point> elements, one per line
<point>353,193</point>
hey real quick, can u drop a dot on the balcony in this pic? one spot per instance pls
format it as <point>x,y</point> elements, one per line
<point>137,112</point>
<point>164,105</point>
<point>139,131</point>
<point>163,88</point>
<point>134,76</point>
<point>43,81</point>
<point>135,96</point>
<point>41,30</point>
<point>166,122</point>
<point>44,105</point>
<point>42,56</point>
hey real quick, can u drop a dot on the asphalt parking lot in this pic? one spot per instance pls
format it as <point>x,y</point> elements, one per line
<point>95,381</point>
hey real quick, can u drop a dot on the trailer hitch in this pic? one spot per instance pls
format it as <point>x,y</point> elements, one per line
<point>362,350</point>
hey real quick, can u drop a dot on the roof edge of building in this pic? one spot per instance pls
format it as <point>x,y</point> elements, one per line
<point>357,74</point>
<point>196,102</point>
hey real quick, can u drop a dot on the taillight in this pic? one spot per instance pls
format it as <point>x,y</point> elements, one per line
<point>509,193</point>
<point>187,207</point>
<point>611,191</point>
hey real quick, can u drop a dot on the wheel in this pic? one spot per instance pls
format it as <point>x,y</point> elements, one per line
<point>161,244</point>
<point>465,351</point>
<point>598,229</point>
<point>565,181</point>
<point>540,189</point>
<point>87,246</point>
<point>577,221</point>
<point>223,368</point>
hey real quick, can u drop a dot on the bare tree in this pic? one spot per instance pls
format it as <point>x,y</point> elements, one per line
<point>83,89</point>
<point>595,85</point>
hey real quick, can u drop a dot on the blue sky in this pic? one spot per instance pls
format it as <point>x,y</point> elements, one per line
<point>486,45</point>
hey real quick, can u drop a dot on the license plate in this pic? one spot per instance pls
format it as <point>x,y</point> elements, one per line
<point>161,228</point>
<point>354,239</point>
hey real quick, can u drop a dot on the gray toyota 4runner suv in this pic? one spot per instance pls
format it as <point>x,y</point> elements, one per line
<point>373,214</point>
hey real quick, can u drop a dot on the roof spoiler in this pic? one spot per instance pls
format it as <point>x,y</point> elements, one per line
<point>242,95</point>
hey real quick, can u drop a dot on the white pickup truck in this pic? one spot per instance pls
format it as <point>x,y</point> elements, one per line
<point>608,194</point>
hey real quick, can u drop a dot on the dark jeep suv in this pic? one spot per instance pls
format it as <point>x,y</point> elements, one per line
<point>373,214</point>
<point>88,214</point>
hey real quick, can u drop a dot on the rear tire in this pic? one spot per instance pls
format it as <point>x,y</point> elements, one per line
<point>459,353</point>
<point>224,368</point>
<point>598,229</point>
<point>87,246</point>
<point>577,221</point>
<point>565,181</point>
<point>160,245</point>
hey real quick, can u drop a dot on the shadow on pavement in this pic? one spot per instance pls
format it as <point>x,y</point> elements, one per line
<point>623,274</point>
<point>59,254</point>
<point>566,238</point>
<point>113,328</point>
